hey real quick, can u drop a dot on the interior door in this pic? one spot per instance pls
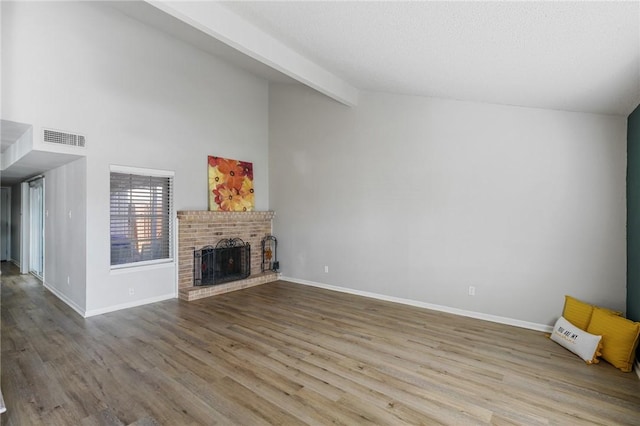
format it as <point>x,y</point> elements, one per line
<point>5,217</point>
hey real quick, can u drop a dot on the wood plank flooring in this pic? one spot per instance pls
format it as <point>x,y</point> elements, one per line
<point>283,353</point>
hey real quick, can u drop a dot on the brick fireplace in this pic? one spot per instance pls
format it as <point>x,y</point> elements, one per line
<point>197,229</point>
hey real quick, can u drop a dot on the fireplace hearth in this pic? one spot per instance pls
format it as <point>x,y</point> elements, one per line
<point>229,260</point>
<point>198,229</point>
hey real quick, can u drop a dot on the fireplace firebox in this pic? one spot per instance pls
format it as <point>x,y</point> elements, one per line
<point>229,260</point>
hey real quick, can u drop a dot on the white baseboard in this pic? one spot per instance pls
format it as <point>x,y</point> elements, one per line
<point>94,312</point>
<point>15,262</point>
<point>100,311</point>
<point>477,315</point>
<point>64,298</point>
<point>637,365</point>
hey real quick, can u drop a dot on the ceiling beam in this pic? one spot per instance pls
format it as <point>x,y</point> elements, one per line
<point>220,23</point>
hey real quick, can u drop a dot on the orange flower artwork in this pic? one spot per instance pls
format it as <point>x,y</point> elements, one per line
<point>230,185</point>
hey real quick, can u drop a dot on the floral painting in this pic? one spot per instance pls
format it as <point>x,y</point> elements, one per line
<point>230,185</point>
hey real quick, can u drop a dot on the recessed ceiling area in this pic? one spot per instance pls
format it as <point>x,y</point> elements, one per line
<point>19,161</point>
<point>10,132</point>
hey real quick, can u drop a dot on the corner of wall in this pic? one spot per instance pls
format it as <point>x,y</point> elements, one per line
<point>64,298</point>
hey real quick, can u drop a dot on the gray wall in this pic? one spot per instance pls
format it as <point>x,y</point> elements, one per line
<point>420,198</point>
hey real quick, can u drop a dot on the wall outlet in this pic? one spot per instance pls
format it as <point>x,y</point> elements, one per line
<point>326,269</point>
<point>131,291</point>
<point>68,280</point>
<point>472,290</point>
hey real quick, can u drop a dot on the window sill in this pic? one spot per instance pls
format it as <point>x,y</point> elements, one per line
<point>142,266</point>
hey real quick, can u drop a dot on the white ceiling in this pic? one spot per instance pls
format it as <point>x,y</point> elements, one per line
<point>10,132</point>
<point>25,162</point>
<point>576,56</point>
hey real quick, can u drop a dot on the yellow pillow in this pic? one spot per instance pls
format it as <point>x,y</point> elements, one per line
<point>577,313</point>
<point>619,338</point>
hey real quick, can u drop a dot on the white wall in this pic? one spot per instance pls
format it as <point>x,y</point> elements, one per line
<point>65,225</point>
<point>142,99</point>
<point>420,198</point>
<point>16,223</point>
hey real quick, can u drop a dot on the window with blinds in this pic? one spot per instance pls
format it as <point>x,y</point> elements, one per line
<point>141,218</point>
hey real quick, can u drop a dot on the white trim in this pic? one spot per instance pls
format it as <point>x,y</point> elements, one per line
<point>151,264</point>
<point>637,365</point>
<point>64,298</point>
<point>8,236</point>
<point>94,312</point>
<point>127,305</point>
<point>25,228</point>
<point>174,238</point>
<point>477,315</point>
<point>143,265</point>
<point>141,171</point>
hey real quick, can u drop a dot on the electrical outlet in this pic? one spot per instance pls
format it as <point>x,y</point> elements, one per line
<point>326,269</point>
<point>68,280</point>
<point>131,291</point>
<point>472,290</point>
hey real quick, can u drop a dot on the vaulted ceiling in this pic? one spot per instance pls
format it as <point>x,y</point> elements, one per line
<point>576,56</point>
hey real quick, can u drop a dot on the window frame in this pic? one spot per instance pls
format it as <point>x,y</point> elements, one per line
<point>145,172</point>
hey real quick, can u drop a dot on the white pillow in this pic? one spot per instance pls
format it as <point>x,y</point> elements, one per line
<point>581,343</point>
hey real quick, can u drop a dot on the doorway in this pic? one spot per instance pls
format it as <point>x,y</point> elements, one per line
<point>36,227</point>
<point>5,224</point>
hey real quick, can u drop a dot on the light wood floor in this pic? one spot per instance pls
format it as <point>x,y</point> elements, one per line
<point>283,353</point>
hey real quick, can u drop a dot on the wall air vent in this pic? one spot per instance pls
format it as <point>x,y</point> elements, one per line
<point>63,138</point>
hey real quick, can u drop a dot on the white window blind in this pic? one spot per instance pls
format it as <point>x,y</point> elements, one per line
<point>141,218</point>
